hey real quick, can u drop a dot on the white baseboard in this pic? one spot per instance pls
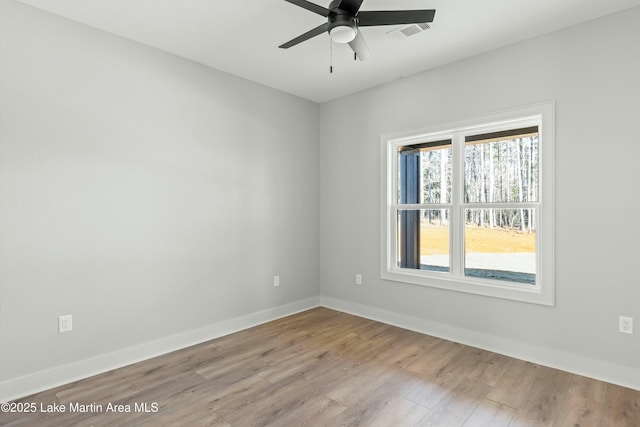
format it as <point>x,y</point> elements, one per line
<point>60,375</point>
<point>625,376</point>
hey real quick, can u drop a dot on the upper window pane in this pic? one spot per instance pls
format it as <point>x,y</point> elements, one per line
<point>502,167</point>
<point>424,173</point>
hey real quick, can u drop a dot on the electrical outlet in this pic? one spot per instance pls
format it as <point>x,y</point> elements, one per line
<point>625,325</point>
<point>358,279</point>
<point>276,281</point>
<point>65,323</point>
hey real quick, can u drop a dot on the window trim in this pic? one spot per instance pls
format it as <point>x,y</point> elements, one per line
<point>544,291</point>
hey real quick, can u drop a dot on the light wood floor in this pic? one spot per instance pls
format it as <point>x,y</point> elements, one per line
<point>326,368</point>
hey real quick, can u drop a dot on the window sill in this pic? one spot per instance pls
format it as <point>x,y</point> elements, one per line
<point>511,291</point>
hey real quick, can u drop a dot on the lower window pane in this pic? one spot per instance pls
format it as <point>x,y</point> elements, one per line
<point>423,239</point>
<point>500,244</point>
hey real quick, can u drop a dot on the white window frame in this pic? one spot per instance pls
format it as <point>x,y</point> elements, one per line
<point>543,292</point>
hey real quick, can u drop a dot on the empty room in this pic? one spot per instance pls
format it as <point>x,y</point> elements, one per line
<point>319,213</point>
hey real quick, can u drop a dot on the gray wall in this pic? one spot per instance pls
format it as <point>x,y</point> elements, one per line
<point>142,193</point>
<point>591,71</point>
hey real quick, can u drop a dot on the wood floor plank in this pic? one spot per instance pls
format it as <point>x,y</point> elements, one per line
<point>623,407</point>
<point>316,412</point>
<point>355,388</point>
<point>404,353</point>
<point>440,353</point>
<point>545,396</point>
<point>512,387</point>
<point>490,414</point>
<point>103,393</point>
<point>489,368</point>
<point>370,405</point>
<point>277,401</point>
<point>195,416</point>
<point>578,411</point>
<point>589,388</point>
<point>458,404</point>
<point>431,391</point>
<point>324,368</point>
<point>401,412</point>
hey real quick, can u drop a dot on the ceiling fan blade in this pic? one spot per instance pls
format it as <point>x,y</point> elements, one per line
<point>310,6</point>
<point>359,46</point>
<point>306,36</point>
<point>351,6</point>
<point>394,17</point>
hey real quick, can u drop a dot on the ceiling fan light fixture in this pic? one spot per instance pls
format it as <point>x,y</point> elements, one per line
<point>343,33</point>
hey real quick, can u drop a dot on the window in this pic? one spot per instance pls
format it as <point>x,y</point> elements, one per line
<point>468,206</point>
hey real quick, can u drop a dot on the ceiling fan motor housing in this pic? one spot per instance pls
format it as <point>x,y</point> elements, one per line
<point>341,21</point>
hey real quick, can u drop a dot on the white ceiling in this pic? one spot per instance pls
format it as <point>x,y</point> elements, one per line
<point>242,36</point>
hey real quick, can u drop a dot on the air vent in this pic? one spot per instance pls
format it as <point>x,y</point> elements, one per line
<point>408,30</point>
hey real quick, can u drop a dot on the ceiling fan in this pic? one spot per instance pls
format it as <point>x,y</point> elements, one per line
<point>344,19</point>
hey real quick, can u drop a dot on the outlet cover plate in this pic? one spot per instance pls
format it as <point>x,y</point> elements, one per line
<point>625,325</point>
<point>65,323</point>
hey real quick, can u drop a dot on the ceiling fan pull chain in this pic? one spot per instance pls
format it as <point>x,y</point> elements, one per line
<point>330,56</point>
